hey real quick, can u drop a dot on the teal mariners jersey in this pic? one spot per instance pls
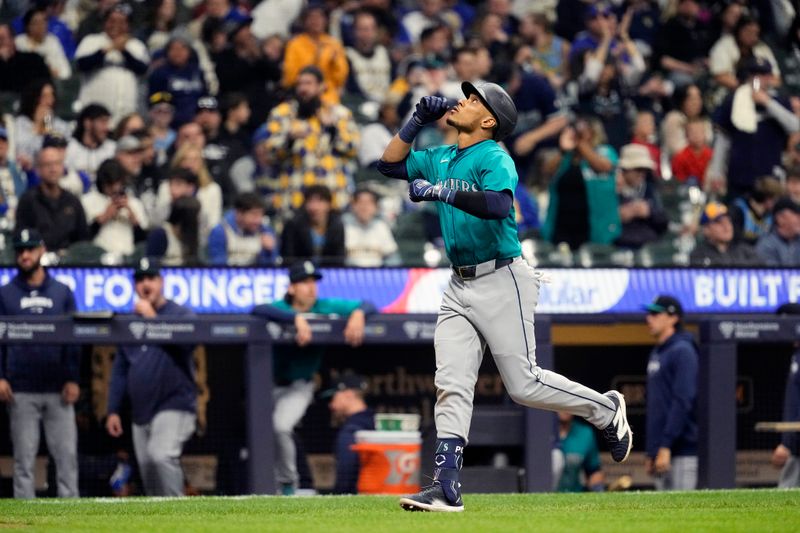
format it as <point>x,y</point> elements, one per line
<point>292,362</point>
<point>580,457</point>
<point>484,166</point>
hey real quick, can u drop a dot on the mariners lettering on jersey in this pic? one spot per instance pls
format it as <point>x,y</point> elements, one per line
<point>460,185</point>
<point>35,303</point>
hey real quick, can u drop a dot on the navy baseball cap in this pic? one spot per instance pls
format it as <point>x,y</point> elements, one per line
<point>260,135</point>
<point>665,304</point>
<point>207,103</point>
<point>302,271</point>
<point>54,140</point>
<point>348,381</point>
<point>146,267</point>
<point>597,9</point>
<point>232,27</point>
<point>28,238</point>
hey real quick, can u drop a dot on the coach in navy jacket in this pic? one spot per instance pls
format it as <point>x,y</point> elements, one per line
<point>159,380</point>
<point>671,443</point>
<point>39,383</point>
<point>787,454</point>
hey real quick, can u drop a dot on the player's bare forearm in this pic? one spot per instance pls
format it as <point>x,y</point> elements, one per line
<point>396,151</point>
<point>598,163</point>
<point>528,141</point>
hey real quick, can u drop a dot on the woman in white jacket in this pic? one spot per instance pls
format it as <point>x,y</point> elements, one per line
<point>110,63</point>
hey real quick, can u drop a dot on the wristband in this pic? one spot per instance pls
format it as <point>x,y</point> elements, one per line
<point>410,130</point>
<point>447,195</point>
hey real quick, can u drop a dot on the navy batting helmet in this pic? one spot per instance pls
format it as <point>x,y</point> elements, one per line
<point>499,104</point>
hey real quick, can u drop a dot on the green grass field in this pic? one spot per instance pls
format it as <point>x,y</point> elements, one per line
<point>724,511</point>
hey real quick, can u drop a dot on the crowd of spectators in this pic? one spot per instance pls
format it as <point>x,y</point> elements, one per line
<point>246,132</point>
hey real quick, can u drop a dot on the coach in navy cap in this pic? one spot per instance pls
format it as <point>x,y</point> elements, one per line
<point>294,366</point>
<point>786,455</point>
<point>146,267</point>
<point>158,380</point>
<point>303,271</point>
<point>28,238</point>
<point>349,410</point>
<point>39,383</point>
<point>665,304</point>
<point>671,437</point>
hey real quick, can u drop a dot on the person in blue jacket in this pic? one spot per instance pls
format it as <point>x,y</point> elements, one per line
<point>350,411</point>
<point>786,455</point>
<point>294,366</point>
<point>671,443</point>
<point>39,384</point>
<point>159,381</point>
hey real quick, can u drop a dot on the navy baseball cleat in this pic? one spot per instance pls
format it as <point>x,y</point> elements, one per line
<point>431,498</point>
<point>618,434</point>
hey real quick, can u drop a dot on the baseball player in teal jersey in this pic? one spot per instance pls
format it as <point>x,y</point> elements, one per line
<point>492,294</point>
<point>294,366</point>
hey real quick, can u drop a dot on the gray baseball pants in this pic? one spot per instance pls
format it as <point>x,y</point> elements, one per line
<point>497,309</point>
<point>682,474</point>
<point>27,413</point>
<point>291,403</point>
<point>158,446</point>
<point>790,474</point>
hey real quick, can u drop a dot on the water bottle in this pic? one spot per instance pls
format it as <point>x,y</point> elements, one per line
<point>120,477</point>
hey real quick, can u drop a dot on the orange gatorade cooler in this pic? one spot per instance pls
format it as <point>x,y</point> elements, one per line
<point>390,461</point>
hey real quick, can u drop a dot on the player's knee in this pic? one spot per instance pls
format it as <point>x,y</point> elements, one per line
<point>282,428</point>
<point>449,385</point>
<point>65,457</point>
<point>519,395</point>
<point>160,456</point>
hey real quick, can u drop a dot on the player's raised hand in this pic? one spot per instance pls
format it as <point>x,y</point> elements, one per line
<point>423,191</point>
<point>354,330</point>
<point>303,335</point>
<point>430,109</point>
<point>780,456</point>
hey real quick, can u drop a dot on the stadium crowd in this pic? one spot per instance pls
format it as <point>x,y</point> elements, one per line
<point>214,132</point>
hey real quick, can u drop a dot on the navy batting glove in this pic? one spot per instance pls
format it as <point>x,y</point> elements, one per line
<point>423,191</point>
<point>430,109</point>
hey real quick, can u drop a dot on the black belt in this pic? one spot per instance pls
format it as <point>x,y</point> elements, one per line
<point>470,271</point>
